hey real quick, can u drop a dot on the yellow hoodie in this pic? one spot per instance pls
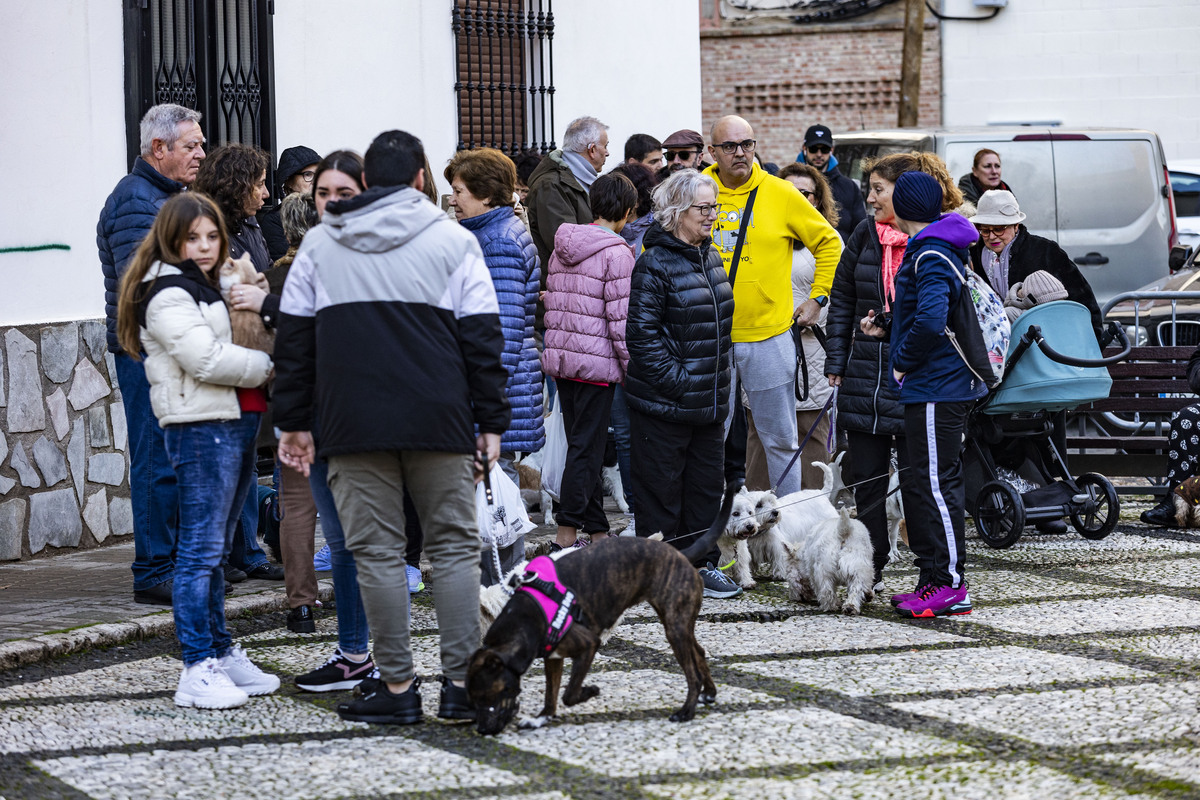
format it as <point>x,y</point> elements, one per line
<point>762,290</point>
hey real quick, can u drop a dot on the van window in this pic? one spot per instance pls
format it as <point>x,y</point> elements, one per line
<point>1027,167</point>
<point>1104,183</point>
<point>1186,188</point>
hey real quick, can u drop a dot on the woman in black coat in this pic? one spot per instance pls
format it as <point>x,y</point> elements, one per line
<point>678,334</point>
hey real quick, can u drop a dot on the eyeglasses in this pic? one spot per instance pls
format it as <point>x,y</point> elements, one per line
<point>308,175</point>
<point>682,155</point>
<point>729,148</point>
<point>706,209</point>
<point>818,148</point>
<point>992,230</point>
<point>808,194</point>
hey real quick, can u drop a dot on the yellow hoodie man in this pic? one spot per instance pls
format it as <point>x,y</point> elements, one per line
<point>764,353</point>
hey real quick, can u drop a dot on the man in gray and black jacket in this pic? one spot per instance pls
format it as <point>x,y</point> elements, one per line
<point>390,332</point>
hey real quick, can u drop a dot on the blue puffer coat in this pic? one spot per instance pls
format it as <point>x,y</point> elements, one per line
<point>127,217</point>
<point>512,260</point>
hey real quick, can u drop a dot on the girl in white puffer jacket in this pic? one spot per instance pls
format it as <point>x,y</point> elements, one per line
<point>170,309</point>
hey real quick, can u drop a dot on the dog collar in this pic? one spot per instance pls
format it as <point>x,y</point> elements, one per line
<point>556,601</point>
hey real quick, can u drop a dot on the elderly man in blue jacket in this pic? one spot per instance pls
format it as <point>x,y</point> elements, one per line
<point>172,147</point>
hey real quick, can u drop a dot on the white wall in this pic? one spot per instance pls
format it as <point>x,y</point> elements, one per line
<point>1116,63</point>
<point>344,72</point>
<point>62,110</point>
<point>632,64</point>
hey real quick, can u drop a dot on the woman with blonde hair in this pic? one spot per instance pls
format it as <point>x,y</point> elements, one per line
<point>869,409</point>
<point>170,308</point>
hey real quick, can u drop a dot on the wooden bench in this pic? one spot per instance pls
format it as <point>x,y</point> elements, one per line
<point>1132,443</point>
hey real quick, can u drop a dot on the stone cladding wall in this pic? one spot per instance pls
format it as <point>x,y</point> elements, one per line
<point>64,466</point>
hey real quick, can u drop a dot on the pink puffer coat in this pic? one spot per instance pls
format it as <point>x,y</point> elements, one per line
<point>587,300</point>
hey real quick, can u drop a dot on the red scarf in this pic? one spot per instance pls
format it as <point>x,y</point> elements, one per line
<point>892,243</point>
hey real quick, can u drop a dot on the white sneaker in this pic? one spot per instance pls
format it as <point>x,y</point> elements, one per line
<point>246,675</point>
<point>205,685</point>
<point>630,530</point>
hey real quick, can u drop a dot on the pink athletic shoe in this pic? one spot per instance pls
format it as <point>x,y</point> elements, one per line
<point>937,601</point>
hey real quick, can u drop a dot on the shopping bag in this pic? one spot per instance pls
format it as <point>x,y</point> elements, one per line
<point>500,511</point>
<point>554,452</point>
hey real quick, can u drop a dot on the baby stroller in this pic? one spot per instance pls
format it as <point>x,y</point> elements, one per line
<point>1014,473</point>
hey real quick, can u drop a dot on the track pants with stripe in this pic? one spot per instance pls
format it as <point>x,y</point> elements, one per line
<point>935,508</point>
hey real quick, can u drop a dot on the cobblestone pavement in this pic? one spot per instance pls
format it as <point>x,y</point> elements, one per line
<point>1077,676</point>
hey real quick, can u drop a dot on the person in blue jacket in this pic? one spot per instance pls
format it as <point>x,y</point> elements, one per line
<point>483,183</point>
<point>937,391</point>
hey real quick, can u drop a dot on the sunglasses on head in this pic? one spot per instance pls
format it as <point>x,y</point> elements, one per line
<point>683,155</point>
<point>818,148</point>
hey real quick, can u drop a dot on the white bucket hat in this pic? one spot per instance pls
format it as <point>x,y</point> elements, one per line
<point>998,207</point>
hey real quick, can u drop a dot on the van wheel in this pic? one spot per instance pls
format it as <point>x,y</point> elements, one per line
<point>999,515</point>
<point>1101,511</point>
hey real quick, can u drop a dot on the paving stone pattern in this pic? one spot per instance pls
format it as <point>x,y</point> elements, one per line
<point>1078,676</point>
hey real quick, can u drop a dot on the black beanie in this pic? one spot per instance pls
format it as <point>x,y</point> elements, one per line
<point>917,197</point>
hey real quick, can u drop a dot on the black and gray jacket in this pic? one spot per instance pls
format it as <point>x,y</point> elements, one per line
<point>678,331</point>
<point>389,325</point>
<point>868,400</point>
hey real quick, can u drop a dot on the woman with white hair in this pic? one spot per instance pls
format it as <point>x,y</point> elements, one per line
<point>678,334</point>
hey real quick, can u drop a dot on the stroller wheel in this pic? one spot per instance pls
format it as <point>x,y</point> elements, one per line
<point>999,514</point>
<point>1101,511</point>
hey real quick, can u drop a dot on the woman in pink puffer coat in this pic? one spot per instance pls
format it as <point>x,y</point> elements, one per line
<point>587,298</point>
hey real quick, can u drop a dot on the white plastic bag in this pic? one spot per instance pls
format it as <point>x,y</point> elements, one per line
<point>504,520</point>
<point>554,453</point>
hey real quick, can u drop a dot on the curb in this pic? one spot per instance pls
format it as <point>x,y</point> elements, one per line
<point>23,652</point>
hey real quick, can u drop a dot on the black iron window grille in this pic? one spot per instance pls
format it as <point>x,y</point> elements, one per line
<point>211,55</point>
<point>504,79</point>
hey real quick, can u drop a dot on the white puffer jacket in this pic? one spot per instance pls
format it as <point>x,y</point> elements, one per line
<point>192,364</point>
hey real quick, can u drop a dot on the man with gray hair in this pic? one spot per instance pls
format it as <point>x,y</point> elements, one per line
<point>172,147</point>
<point>559,187</point>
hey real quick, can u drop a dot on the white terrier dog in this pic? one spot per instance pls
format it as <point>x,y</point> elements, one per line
<point>611,478</point>
<point>897,530</point>
<point>756,535</point>
<point>836,552</point>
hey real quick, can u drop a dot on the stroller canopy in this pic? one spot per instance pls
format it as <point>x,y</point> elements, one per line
<point>1033,381</point>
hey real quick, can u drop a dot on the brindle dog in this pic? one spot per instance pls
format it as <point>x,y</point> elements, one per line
<point>607,578</point>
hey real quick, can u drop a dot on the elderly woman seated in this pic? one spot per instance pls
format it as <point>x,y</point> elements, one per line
<point>1006,253</point>
<point>1183,462</point>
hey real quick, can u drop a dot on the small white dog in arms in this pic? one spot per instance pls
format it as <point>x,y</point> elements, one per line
<point>756,536</point>
<point>836,552</point>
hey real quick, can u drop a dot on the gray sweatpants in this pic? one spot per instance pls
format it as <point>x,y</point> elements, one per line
<point>766,371</point>
<point>368,489</point>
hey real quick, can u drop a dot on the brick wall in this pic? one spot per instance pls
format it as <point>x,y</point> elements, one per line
<point>785,78</point>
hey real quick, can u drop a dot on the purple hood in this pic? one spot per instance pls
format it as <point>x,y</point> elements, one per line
<point>953,228</point>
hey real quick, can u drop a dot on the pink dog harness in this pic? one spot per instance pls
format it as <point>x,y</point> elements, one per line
<point>556,601</point>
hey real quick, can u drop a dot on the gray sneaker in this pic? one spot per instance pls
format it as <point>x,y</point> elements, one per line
<point>717,584</point>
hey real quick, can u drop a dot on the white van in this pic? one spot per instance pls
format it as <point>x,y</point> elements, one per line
<point>1102,193</point>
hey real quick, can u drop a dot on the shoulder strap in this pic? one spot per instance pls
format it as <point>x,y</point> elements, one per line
<point>962,278</point>
<point>737,248</point>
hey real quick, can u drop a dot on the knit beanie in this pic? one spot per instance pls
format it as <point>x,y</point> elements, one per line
<point>917,197</point>
<point>1042,287</point>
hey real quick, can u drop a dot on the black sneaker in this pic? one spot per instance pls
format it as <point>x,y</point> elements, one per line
<point>233,574</point>
<point>337,674</point>
<point>228,587</point>
<point>455,702</point>
<point>382,707</point>
<point>717,584</point>
<point>265,572</point>
<point>157,595</point>
<point>1162,515</point>
<point>368,684</point>
<point>300,620</point>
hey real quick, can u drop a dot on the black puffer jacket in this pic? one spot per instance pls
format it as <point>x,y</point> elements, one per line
<point>868,400</point>
<point>678,331</point>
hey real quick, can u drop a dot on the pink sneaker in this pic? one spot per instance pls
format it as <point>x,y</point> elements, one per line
<point>937,601</point>
<point>897,599</point>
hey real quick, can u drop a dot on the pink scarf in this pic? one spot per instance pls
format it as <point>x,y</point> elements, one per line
<point>892,243</point>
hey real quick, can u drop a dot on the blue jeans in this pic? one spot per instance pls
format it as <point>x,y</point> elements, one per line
<point>214,462</point>
<point>152,489</point>
<point>352,617</point>
<point>618,419</point>
<point>246,553</point>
